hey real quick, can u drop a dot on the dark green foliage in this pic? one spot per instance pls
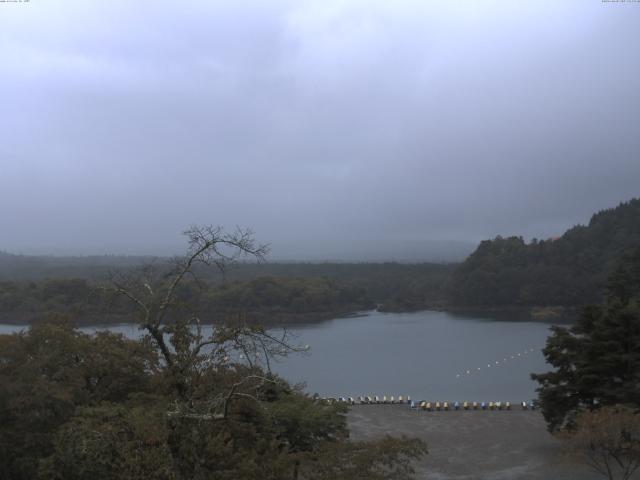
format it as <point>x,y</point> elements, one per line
<point>569,271</point>
<point>301,424</point>
<point>281,296</point>
<point>597,360</point>
<point>111,441</point>
<point>177,404</point>
<point>244,446</point>
<point>265,298</point>
<point>75,406</point>
<point>277,298</point>
<point>50,371</point>
<point>396,286</point>
<point>38,268</point>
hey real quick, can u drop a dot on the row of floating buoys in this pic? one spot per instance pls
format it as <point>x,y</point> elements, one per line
<point>497,363</point>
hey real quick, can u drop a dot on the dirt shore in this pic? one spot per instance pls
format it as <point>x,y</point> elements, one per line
<point>473,445</point>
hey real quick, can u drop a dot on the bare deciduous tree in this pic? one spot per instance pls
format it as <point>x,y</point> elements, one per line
<point>175,326</point>
<point>607,440</point>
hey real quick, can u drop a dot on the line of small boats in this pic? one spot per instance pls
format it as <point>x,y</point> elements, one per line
<point>373,400</point>
<point>445,406</point>
<point>429,406</point>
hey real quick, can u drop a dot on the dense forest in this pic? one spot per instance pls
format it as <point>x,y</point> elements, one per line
<point>568,271</point>
<point>78,407</point>
<point>597,359</point>
<point>264,299</point>
<point>266,292</point>
<point>175,404</point>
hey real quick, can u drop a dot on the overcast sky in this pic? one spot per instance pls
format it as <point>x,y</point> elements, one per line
<point>334,129</point>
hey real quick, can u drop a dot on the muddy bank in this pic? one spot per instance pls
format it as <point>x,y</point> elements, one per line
<point>473,445</point>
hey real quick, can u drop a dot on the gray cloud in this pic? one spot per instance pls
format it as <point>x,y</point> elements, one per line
<point>333,129</point>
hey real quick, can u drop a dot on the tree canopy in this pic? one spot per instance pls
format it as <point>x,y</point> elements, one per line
<point>597,360</point>
<point>177,404</point>
<point>570,270</point>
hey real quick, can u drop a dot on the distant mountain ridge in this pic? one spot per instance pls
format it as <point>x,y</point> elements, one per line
<point>31,267</point>
<point>569,271</point>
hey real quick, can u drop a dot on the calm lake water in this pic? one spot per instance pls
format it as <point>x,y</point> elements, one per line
<point>423,354</point>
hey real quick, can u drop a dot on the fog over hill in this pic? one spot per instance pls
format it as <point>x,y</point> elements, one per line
<point>336,130</point>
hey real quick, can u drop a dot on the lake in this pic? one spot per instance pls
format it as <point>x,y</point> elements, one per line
<point>428,355</point>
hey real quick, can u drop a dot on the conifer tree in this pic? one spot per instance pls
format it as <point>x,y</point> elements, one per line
<point>597,360</point>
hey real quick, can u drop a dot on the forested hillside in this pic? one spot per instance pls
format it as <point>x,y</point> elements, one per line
<point>504,272</point>
<point>265,299</point>
<point>33,287</point>
<point>32,267</point>
<point>569,271</point>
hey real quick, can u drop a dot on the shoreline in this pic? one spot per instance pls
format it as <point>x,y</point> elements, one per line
<point>567,315</point>
<point>469,445</point>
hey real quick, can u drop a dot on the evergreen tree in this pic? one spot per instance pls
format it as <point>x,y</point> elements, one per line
<point>570,270</point>
<point>597,360</point>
